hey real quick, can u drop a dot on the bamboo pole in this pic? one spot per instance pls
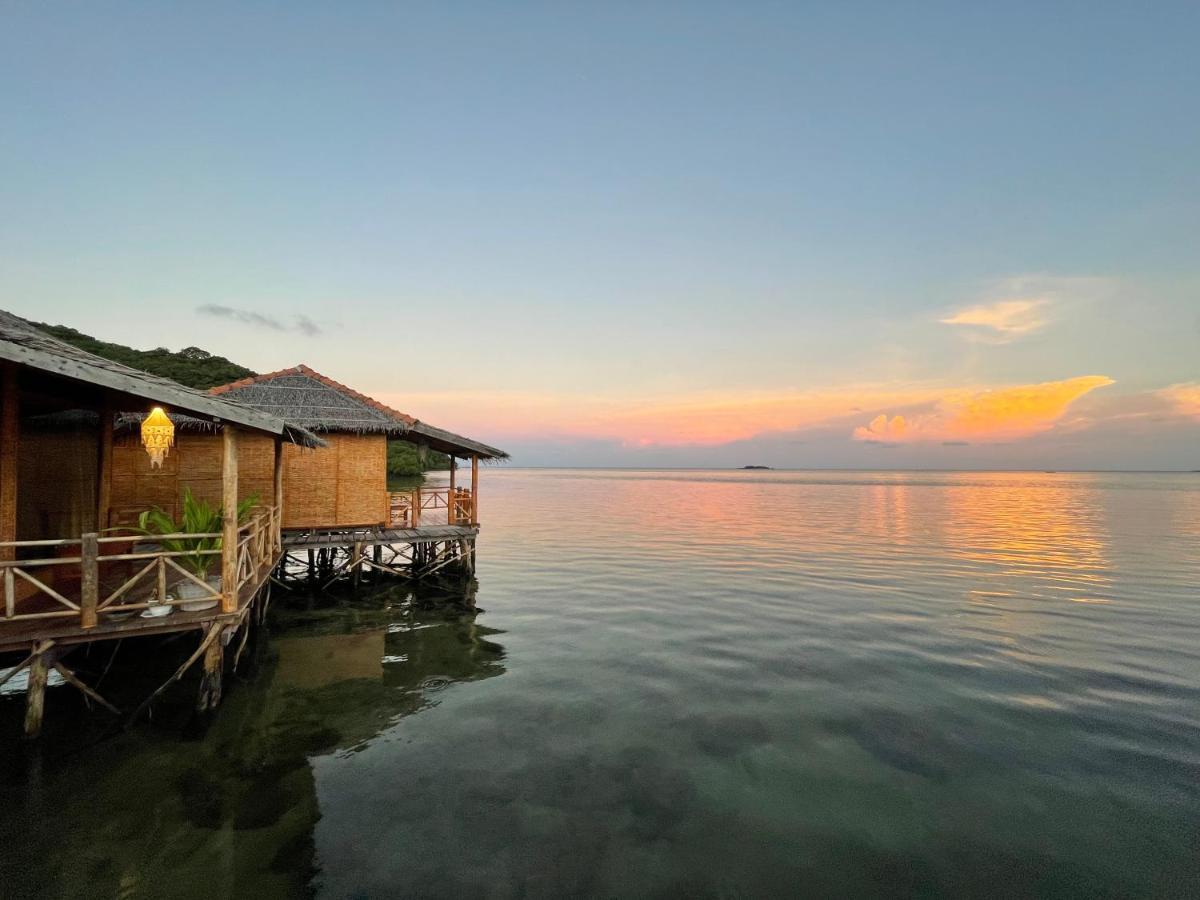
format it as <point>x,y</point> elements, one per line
<point>73,680</point>
<point>474,488</point>
<point>89,580</point>
<point>104,466</point>
<point>229,523</point>
<point>214,631</point>
<point>277,535</point>
<point>9,436</point>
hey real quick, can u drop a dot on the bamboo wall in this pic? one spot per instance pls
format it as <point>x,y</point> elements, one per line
<point>56,484</point>
<point>194,462</point>
<point>339,485</point>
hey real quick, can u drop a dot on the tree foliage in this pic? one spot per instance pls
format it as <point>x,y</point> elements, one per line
<point>191,366</point>
<point>403,458</point>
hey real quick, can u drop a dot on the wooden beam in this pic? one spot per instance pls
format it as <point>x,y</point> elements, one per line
<point>229,524</point>
<point>450,518</point>
<point>474,488</point>
<point>10,425</point>
<point>104,466</point>
<point>89,580</point>
<point>278,491</point>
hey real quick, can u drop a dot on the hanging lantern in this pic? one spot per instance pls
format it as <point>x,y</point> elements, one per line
<point>158,436</point>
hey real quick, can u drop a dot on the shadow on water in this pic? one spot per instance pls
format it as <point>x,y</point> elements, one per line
<point>225,805</point>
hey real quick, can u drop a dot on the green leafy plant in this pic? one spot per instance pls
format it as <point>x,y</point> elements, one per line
<point>199,517</point>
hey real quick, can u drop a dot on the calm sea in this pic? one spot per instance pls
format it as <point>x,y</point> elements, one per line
<point>683,684</point>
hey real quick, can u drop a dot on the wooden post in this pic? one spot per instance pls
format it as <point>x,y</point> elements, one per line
<point>416,508</point>
<point>229,525</point>
<point>89,580</point>
<point>451,518</point>
<point>104,466</point>
<point>9,436</point>
<point>278,499</point>
<point>210,678</point>
<point>35,693</point>
<point>356,565</point>
<point>474,488</point>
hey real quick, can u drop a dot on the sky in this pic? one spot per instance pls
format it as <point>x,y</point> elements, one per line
<point>869,235</point>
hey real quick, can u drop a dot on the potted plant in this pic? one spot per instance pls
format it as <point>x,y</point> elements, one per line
<point>197,554</point>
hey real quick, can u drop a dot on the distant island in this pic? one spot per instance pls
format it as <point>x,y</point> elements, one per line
<point>756,467</point>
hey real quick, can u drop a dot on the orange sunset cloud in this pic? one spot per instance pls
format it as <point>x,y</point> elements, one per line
<point>1184,398</point>
<point>714,418</point>
<point>697,419</point>
<point>984,416</point>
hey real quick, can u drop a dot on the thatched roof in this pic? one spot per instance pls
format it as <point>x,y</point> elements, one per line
<point>320,404</point>
<point>22,343</point>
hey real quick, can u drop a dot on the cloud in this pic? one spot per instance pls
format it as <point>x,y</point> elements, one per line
<point>1183,398</point>
<point>1004,320</point>
<point>1015,307</point>
<point>674,420</point>
<point>987,416</point>
<point>300,323</point>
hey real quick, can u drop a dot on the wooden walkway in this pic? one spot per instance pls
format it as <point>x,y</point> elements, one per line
<point>317,538</point>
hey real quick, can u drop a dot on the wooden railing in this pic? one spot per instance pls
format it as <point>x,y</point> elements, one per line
<point>95,575</point>
<point>411,509</point>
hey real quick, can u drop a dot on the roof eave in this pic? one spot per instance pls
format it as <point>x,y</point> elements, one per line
<point>220,410</point>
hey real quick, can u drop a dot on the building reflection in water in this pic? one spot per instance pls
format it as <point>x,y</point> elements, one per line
<point>231,811</point>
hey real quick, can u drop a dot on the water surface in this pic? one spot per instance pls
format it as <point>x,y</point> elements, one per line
<point>687,684</point>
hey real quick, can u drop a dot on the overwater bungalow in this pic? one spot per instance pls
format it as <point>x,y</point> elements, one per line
<point>65,579</point>
<point>336,498</point>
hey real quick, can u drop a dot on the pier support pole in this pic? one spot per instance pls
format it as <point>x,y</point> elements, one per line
<point>35,695</point>
<point>210,678</point>
<point>356,563</point>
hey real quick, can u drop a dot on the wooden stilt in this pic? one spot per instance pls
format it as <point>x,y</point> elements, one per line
<point>214,632</point>
<point>210,679</point>
<point>35,695</point>
<point>356,563</point>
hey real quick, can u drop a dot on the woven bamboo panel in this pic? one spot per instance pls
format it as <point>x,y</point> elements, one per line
<point>56,495</point>
<point>310,485</point>
<point>256,467</point>
<point>362,479</point>
<point>195,463</point>
<point>342,484</point>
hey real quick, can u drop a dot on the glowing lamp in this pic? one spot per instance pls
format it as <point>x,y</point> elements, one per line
<point>158,436</point>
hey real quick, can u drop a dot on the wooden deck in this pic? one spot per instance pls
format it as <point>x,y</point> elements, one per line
<point>317,538</point>
<point>97,588</point>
